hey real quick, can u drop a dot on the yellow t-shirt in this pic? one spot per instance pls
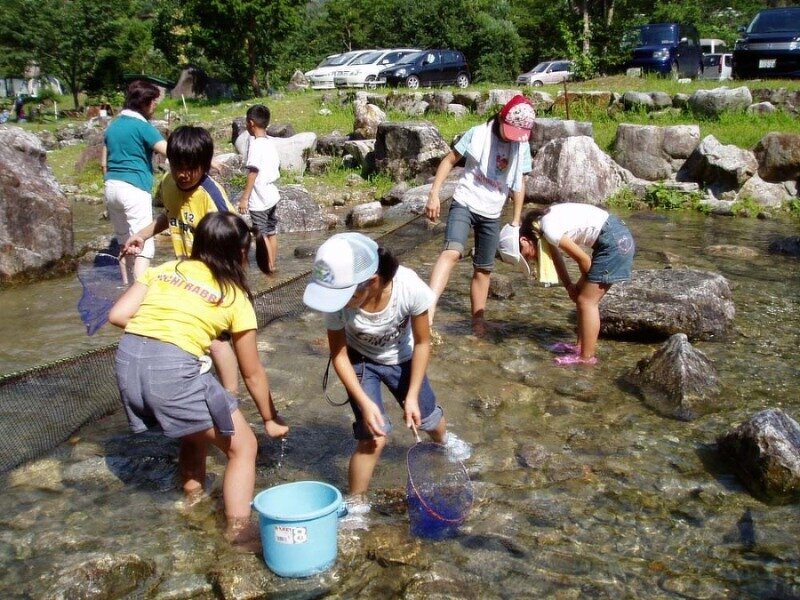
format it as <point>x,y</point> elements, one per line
<point>180,307</point>
<point>185,209</point>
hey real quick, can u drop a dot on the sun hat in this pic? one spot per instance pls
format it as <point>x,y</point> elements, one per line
<point>516,119</point>
<point>509,248</point>
<point>341,263</point>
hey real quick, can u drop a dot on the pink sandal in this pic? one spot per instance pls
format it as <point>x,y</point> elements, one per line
<point>564,348</point>
<point>575,359</point>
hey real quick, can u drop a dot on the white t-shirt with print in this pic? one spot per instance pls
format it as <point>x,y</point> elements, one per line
<point>386,337</point>
<point>484,195</point>
<point>579,222</point>
<point>262,156</point>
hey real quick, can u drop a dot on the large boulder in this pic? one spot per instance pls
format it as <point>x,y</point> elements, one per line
<point>408,149</point>
<point>654,153</point>
<point>297,211</point>
<point>763,193</point>
<point>573,169</point>
<point>714,102</point>
<point>36,220</point>
<point>656,304</point>
<point>366,120</point>
<point>778,156</point>
<point>676,381</point>
<point>413,200</point>
<point>546,130</point>
<point>294,151</point>
<point>719,167</point>
<point>765,454</point>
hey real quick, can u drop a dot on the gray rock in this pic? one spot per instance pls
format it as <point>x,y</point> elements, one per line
<point>772,195</point>
<point>546,130</point>
<point>765,454</point>
<point>761,108</point>
<point>408,149</point>
<point>573,169</point>
<point>719,100</point>
<point>467,99</point>
<point>95,576</point>
<point>501,287</point>
<point>654,153</point>
<point>637,101</point>
<point>656,304</point>
<point>297,211</point>
<point>318,165</point>
<point>789,246</point>
<point>457,110</point>
<point>365,215</point>
<point>295,151</point>
<point>677,381</point>
<point>439,100</point>
<point>332,144</point>
<point>367,119</point>
<point>719,167</point>
<point>36,220</point>
<point>414,200</point>
<point>363,153</point>
<point>402,102</point>
<point>395,195</point>
<point>493,100</point>
<point>778,156</point>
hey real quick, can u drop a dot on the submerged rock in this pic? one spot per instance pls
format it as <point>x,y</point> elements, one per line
<point>656,304</point>
<point>101,576</point>
<point>765,454</point>
<point>677,381</point>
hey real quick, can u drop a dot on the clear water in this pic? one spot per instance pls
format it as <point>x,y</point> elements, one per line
<point>580,490</point>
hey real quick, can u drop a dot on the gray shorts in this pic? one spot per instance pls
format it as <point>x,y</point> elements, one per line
<point>266,221</point>
<point>460,220</point>
<point>162,386</point>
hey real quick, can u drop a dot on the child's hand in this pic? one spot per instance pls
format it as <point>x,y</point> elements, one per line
<point>243,207</point>
<point>134,245</point>
<point>373,420</point>
<point>433,208</point>
<point>276,428</point>
<point>412,414</point>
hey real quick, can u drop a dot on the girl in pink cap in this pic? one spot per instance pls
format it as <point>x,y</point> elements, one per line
<point>498,155</point>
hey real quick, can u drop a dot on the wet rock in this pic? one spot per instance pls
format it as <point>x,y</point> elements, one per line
<point>532,456</point>
<point>677,381</point>
<point>732,251</point>
<point>656,304</point>
<point>390,546</point>
<point>765,454</point>
<point>246,579</point>
<point>434,588</point>
<point>304,252</point>
<point>42,474</point>
<point>395,195</point>
<point>365,215</point>
<point>788,246</point>
<point>36,220</point>
<point>501,287</point>
<point>102,576</point>
<point>186,587</point>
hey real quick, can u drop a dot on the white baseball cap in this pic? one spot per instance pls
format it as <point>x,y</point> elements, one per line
<point>341,263</point>
<point>509,248</point>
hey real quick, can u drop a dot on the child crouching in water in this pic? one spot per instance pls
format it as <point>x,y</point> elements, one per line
<point>171,315</point>
<point>378,332</point>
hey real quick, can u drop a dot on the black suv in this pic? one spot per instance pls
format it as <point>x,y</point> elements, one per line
<point>429,67</point>
<point>770,46</point>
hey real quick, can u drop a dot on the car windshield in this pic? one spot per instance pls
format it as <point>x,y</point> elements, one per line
<point>410,58</point>
<point>368,58</point>
<point>540,68</point>
<point>774,21</point>
<point>655,35</point>
<point>328,61</point>
<point>343,59</point>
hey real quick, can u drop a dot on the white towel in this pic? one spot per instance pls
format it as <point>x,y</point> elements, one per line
<point>480,148</point>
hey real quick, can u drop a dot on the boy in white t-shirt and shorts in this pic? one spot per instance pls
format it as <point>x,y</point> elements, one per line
<point>260,196</point>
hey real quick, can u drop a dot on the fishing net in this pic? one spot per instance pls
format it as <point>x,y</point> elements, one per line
<point>43,406</point>
<point>439,491</point>
<point>102,286</point>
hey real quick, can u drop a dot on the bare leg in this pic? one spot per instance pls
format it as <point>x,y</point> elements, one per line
<point>440,276</point>
<point>192,463</point>
<point>438,434</point>
<point>478,293</point>
<point>272,246</point>
<point>226,365</point>
<point>362,464</point>
<point>588,305</point>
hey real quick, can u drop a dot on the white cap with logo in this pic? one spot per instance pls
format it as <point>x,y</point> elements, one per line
<point>341,263</point>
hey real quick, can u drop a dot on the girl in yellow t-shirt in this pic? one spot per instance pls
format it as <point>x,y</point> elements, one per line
<point>170,316</point>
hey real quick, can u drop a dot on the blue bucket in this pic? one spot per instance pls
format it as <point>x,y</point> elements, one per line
<point>299,523</point>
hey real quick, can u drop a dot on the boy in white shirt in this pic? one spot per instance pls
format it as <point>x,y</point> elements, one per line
<point>260,196</point>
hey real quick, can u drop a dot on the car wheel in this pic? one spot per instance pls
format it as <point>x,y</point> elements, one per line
<point>537,83</point>
<point>412,82</point>
<point>369,82</point>
<point>462,80</point>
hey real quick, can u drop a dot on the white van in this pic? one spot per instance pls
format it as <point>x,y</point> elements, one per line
<point>712,46</point>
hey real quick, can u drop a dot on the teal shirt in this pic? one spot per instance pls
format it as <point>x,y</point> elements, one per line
<point>129,143</point>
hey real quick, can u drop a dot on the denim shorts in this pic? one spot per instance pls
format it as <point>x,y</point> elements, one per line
<point>266,221</point>
<point>163,386</point>
<point>612,253</point>
<point>487,235</point>
<point>396,378</point>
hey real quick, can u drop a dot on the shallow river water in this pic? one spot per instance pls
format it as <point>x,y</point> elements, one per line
<point>580,489</point>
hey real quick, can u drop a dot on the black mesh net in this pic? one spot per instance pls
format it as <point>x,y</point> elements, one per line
<point>44,406</point>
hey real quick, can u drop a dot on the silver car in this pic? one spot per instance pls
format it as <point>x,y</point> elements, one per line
<point>551,71</point>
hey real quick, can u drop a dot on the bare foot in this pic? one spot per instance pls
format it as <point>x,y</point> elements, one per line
<point>243,534</point>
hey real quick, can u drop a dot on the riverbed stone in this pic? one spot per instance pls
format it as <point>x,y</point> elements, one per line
<point>501,286</point>
<point>36,220</point>
<point>297,210</point>
<point>657,303</point>
<point>765,454</point>
<point>778,156</point>
<point>787,246</point>
<point>677,381</point>
<point>365,215</point>
<point>408,149</point>
<point>97,576</point>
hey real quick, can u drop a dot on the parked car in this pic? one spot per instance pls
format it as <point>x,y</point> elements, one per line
<point>429,67</point>
<point>667,48</point>
<point>363,71</point>
<point>770,46</point>
<point>551,71</point>
<point>717,66</point>
<point>321,77</point>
